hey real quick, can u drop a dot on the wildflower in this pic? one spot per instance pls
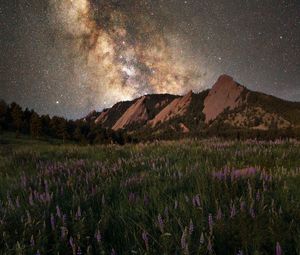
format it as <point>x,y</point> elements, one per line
<point>32,243</point>
<point>232,211</point>
<point>183,241</point>
<point>278,249</point>
<point>160,223</point>
<point>113,252</point>
<point>98,236</point>
<point>79,251</point>
<point>52,221</point>
<point>78,213</point>
<point>197,200</point>
<point>146,240</point>
<point>58,212</point>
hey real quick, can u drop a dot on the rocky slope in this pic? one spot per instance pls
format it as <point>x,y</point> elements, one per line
<point>227,103</point>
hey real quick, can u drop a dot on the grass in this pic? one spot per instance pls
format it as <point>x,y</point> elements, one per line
<point>184,197</point>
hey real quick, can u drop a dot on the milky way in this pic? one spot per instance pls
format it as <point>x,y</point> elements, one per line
<point>68,57</point>
<point>121,49</point>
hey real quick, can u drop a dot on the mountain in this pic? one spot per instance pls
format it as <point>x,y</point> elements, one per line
<point>227,105</point>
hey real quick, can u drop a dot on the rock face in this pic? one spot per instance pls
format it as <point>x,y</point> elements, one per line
<point>227,103</point>
<point>178,107</point>
<point>224,94</point>
<point>135,113</point>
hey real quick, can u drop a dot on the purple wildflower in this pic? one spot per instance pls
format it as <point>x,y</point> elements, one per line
<point>183,241</point>
<point>146,240</point>
<point>58,212</point>
<point>160,223</point>
<point>278,249</point>
<point>232,211</point>
<point>98,236</point>
<point>32,242</point>
<point>52,220</point>
<point>79,251</point>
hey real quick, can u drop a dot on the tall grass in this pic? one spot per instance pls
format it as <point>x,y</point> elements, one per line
<point>186,197</point>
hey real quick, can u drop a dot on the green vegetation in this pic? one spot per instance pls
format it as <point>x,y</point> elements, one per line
<point>185,197</point>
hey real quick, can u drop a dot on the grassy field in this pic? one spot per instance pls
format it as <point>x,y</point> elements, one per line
<point>184,197</point>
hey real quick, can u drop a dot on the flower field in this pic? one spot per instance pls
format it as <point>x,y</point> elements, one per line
<point>184,197</point>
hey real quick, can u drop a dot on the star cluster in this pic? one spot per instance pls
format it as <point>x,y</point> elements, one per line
<point>68,57</point>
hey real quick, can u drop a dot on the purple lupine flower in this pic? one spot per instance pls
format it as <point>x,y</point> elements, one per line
<point>232,211</point>
<point>160,223</point>
<point>52,221</point>
<point>38,252</point>
<point>183,241</point>
<point>98,236</point>
<point>113,252</point>
<point>58,212</point>
<point>278,249</point>
<point>242,206</point>
<point>79,251</point>
<point>78,213</point>
<point>257,195</point>
<point>71,242</point>
<point>240,252</point>
<point>197,200</point>
<point>146,240</point>
<point>32,242</point>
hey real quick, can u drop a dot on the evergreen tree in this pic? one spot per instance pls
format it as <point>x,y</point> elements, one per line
<point>35,125</point>
<point>17,115</point>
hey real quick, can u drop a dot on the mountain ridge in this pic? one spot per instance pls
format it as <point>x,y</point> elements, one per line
<point>227,103</point>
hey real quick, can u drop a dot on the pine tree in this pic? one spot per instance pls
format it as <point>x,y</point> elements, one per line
<point>17,115</point>
<point>35,125</point>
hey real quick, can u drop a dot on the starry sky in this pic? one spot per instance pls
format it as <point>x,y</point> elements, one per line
<point>69,57</point>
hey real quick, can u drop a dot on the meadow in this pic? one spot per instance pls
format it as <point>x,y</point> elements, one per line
<point>182,197</point>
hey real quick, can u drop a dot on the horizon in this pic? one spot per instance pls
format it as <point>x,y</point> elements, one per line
<point>129,100</point>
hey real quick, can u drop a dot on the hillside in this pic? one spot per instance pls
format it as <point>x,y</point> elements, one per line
<point>227,105</point>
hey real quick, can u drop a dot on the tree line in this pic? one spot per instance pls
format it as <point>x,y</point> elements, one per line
<point>14,119</point>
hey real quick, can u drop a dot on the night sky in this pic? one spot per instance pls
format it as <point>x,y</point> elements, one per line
<point>68,57</point>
